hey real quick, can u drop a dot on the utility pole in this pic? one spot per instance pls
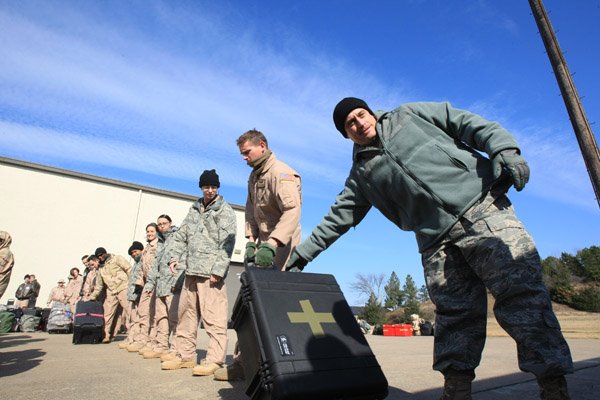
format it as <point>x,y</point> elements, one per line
<point>581,126</point>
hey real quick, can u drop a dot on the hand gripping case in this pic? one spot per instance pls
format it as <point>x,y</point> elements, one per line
<point>299,340</point>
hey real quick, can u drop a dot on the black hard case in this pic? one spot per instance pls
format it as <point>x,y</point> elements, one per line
<point>288,361</point>
<point>88,323</point>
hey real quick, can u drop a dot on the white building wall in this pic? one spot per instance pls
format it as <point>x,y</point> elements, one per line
<point>56,216</point>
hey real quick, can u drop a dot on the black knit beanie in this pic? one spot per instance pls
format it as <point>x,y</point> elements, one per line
<point>209,178</point>
<point>135,246</point>
<point>345,107</point>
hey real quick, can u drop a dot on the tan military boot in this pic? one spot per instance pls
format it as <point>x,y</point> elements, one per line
<point>123,345</point>
<point>152,354</point>
<point>205,369</point>
<point>177,363</point>
<point>168,356</point>
<point>145,349</point>
<point>106,340</point>
<point>231,372</point>
<point>134,347</point>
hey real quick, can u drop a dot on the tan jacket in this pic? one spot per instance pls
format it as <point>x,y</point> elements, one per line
<point>7,261</point>
<point>148,256</point>
<point>90,283</point>
<point>114,275</point>
<point>72,290</point>
<point>273,207</point>
<point>57,294</point>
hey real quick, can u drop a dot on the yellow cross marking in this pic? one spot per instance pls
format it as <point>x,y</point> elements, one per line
<point>312,318</point>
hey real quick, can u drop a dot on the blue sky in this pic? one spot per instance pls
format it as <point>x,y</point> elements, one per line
<point>155,92</point>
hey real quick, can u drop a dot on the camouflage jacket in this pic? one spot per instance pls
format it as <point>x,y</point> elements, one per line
<point>133,277</point>
<point>160,277</point>
<point>206,238</point>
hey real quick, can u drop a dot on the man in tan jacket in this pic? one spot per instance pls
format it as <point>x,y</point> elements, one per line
<point>89,283</point>
<point>73,288</point>
<point>114,274</point>
<point>7,261</point>
<point>273,204</point>
<point>272,216</point>
<point>57,294</point>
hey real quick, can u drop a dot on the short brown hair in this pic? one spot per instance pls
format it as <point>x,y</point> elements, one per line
<point>254,136</point>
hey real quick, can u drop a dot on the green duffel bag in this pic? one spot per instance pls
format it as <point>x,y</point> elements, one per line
<point>29,323</point>
<point>7,321</point>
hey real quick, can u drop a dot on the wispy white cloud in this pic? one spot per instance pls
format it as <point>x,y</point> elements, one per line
<point>183,87</point>
<point>486,14</point>
<point>558,172</point>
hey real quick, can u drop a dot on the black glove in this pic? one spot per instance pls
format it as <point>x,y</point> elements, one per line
<point>296,263</point>
<point>138,289</point>
<point>511,162</point>
<point>265,255</point>
<point>250,251</point>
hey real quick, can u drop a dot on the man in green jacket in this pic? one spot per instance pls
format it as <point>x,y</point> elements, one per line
<point>422,166</point>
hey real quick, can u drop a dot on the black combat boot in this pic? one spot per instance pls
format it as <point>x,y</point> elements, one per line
<point>457,385</point>
<point>553,388</point>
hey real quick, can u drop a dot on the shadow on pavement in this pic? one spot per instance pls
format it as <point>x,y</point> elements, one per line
<point>506,387</point>
<point>584,384</point>
<point>16,362</point>
<point>9,340</point>
<point>235,392</point>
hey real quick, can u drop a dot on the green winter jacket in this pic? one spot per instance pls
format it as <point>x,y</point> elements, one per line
<point>423,172</point>
<point>206,238</point>
<point>160,276</point>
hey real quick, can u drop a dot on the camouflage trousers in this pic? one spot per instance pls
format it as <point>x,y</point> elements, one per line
<point>488,249</point>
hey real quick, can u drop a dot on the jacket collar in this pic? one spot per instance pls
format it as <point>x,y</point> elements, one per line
<point>215,205</point>
<point>268,164</point>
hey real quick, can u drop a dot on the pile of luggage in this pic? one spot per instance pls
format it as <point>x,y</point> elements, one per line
<point>15,319</point>
<point>57,319</point>
<point>87,325</point>
<point>60,319</point>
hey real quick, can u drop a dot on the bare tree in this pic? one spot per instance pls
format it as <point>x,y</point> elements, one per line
<point>367,284</point>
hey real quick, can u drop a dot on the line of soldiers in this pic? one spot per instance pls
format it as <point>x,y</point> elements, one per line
<point>178,279</point>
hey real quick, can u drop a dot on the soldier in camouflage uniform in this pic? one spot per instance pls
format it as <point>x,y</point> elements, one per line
<point>146,304</point>
<point>207,238</point>
<point>167,286</point>
<point>133,295</point>
<point>421,166</point>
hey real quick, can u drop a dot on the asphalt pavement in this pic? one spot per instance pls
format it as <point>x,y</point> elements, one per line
<point>47,366</point>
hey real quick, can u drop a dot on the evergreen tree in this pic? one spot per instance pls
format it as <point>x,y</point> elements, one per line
<point>587,300</point>
<point>573,264</point>
<point>423,294</point>
<point>394,296</point>
<point>590,259</point>
<point>560,280</point>
<point>411,304</point>
<point>373,313</point>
